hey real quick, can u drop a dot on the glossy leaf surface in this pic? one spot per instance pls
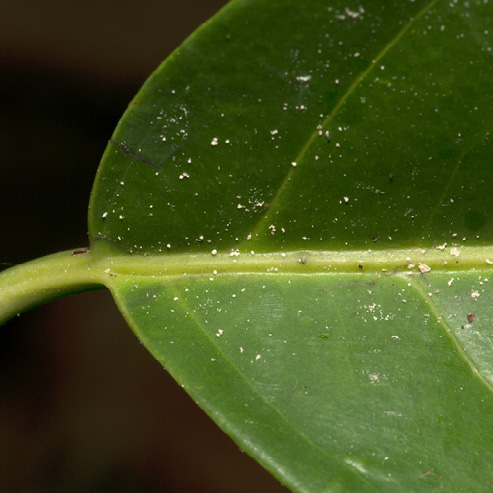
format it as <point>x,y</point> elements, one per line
<point>296,216</point>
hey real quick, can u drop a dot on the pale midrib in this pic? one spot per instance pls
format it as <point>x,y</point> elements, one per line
<point>404,261</point>
<point>266,219</point>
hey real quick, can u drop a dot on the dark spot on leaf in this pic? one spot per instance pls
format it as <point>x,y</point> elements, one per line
<point>471,318</point>
<point>79,251</point>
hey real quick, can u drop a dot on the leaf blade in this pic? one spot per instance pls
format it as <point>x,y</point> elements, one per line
<point>254,169</point>
<point>204,163</point>
<point>375,422</point>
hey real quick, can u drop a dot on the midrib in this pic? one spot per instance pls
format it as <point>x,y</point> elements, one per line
<point>304,262</point>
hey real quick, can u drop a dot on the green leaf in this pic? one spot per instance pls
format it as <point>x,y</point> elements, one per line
<point>294,216</point>
<point>274,199</point>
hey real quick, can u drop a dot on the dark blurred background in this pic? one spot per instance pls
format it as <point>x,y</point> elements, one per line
<point>83,406</point>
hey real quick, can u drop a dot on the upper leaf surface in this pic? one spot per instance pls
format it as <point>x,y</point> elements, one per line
<point>203,157</point>
<point>335,129</point>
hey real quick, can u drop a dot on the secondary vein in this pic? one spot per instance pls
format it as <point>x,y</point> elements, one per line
<point>266,218</point>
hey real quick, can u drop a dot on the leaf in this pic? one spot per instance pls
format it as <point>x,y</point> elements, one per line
<point>348,151</point>
<point>293,215</point>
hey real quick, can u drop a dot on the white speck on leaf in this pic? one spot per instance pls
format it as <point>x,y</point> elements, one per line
<point>454,252</point>
<point>423,268</point>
